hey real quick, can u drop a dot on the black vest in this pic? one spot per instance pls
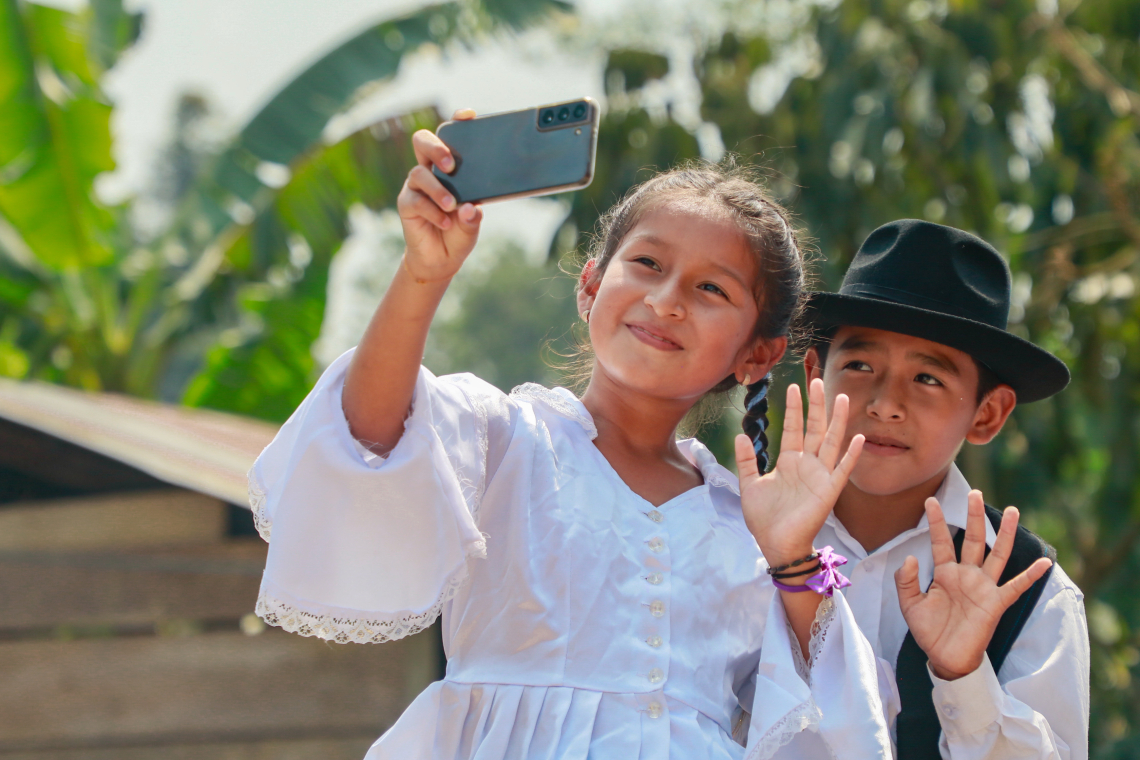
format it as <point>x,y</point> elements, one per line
<point>917,728</point>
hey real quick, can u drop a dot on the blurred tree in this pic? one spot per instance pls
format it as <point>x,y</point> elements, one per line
<point>85,300</point>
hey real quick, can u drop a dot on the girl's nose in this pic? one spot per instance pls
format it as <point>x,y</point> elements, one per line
<point>665,301</point>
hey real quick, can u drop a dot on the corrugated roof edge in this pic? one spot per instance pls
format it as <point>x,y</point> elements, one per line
<point>200,449</point>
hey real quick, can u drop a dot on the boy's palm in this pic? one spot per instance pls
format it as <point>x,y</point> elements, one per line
<point>786,508</point>
<point>955,619</point>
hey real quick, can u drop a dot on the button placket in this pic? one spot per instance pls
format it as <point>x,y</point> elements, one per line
<point>656,601</point>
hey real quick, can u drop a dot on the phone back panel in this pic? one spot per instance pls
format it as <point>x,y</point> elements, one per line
<point>507,155</point>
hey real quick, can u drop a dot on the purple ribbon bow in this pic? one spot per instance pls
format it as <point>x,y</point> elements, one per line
<point>828,579</point>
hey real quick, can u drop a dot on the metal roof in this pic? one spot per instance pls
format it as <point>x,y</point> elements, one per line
<point>203,450</point>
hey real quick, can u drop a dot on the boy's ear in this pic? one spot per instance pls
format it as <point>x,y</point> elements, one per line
<point>813,367</point>
<point>992,414</point>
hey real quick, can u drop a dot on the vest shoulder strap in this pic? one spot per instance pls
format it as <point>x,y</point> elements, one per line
<point>917,727</point>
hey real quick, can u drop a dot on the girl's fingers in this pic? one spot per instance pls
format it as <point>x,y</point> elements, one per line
<point>792,438</point>
<point>420,178</point>
<point>1020,583</point>
<point>816,418</point>
<point>470,216</point>
<point>746,465</point>
<point>974,546</point>
<point>842,473</point>
<point>940,541</point>
<point>833,439</point>
<point>412,204</point>
<point>906,581</point>
<point>432,150</point>
<point>1003,545</point>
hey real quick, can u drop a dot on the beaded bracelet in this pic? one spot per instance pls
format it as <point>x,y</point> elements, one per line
<point>809,571</point>
<point>825,582</point>
<point>790,565</point>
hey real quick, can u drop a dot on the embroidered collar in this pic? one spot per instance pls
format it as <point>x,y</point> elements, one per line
<point>563,402</point>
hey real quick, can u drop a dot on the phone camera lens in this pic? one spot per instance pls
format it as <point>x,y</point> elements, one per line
<point>579,110</point>
<point>563,113</point>
<point>548,117</point>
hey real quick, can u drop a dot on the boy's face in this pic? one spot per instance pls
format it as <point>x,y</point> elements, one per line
<point>913,399</point>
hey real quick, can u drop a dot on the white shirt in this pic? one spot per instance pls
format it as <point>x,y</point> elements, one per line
<point>578,619</point>
<point>1038,705</point>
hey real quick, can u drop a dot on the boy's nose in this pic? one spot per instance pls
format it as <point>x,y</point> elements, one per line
<point>885,402</point>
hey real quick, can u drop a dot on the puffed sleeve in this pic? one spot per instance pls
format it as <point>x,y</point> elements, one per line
<point>365,548</point>
<point>827,706</point>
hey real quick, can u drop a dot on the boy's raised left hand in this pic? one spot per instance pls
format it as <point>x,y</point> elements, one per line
<point>955,619</point>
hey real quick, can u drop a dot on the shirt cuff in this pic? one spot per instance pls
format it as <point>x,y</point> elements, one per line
<point>968,704</point>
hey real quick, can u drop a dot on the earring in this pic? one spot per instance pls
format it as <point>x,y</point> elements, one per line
<point>747,380</point>
<point>586,316</point>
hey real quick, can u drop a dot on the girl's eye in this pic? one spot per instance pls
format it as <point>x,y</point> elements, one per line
<point>858,366</point>
<point>709,287</point>
<point>647,262</point>
<point>928,379</point>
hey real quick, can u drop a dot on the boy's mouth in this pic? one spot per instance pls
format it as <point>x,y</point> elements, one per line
<point>651,337</point>
<point>884,445</point>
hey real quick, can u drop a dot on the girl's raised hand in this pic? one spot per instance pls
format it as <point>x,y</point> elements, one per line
<point>786,508</point>
<point>439,236</point>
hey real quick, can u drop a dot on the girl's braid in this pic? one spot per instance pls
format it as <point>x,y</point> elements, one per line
<point>755,421</point>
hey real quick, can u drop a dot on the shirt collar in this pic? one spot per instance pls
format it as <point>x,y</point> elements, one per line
<point>953,495</point>
<point>565,403</point>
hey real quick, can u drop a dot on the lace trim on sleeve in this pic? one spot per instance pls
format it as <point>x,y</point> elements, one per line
<point>824,615</point>
<point>257,506</point>
<point>344,628</point>
<point>806,715</point>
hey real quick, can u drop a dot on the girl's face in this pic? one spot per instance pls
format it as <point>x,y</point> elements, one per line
<point>675,310</point>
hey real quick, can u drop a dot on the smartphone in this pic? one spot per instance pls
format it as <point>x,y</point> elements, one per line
<point>536,151</point>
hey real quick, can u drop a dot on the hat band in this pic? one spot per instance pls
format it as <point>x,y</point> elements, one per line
<point>907,298</point>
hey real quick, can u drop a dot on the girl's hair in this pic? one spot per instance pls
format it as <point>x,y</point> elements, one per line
<point>770,234</point>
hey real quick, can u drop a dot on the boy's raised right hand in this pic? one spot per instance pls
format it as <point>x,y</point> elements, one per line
<point>955,619</point>
<point>439,235</point>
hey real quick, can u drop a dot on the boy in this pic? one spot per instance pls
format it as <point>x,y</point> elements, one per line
<point>916,338</point>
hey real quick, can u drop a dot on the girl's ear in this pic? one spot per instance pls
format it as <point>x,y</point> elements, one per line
<point>587,287</point>
<point>765,355</point>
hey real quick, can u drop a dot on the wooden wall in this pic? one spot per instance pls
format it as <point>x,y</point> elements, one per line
<point>121,637</point>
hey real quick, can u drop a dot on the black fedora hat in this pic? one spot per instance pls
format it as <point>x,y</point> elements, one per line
<point>944,285</point>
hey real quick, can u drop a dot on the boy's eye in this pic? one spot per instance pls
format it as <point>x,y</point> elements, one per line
<point>647,262</point>
<point>709,287</point>
<point>926,379</point>
<point>858,366</point>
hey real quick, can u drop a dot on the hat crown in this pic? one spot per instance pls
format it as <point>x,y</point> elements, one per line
<point>931,266</point>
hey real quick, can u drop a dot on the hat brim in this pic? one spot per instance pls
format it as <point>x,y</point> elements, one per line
<point>1032,372</point>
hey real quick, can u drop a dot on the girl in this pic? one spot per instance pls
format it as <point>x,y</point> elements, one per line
<point>602,591</point>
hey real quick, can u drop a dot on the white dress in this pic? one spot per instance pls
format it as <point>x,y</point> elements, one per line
<point>578,620</point>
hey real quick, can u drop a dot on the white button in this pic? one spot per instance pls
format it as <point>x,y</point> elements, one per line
<point>654,641</point>
<point>654,578</point>
<point>657,608</point>
<point>656,675</point>
<point>655,516</point>
<point>654,710</point>
<point>656,544</point>
<point>950,711</point>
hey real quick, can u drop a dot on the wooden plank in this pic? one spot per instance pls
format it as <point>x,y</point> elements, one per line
<point>221,687</point>
<point>302,749</point>
<point>121,520</point>
<point>44,589</point>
